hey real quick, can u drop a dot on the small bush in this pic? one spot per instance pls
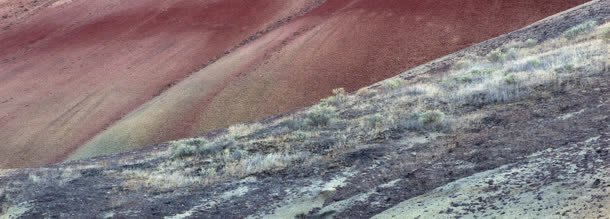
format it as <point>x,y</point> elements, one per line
<point>510,79</point>
<point>432,117</point>
<point>182,150</point>
<point>320,116</point>
<point>565,69</point>
<point>339,92</point>
<point>606,35</point>
<point>462,64</point>
<point>531,42</point>
<point>242,130</point>
<point>512,54</point>
<point>580,29</point>
<point>530,64</point>
<point>496,56</point>
<point>421,89</point>
<point>299,136</point>
<point>199,147</point>
<point>391,84</point>
<point>500,93</point>
<point>373,121</point>
<point>293,124</point>
<point>481,73</point>
<point>464,79</point>
<point>428,120</point>
<point>534,63</point>
<point>263,162</point>
<point>365,92</point>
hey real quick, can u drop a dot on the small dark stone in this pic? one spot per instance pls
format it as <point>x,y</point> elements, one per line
<point>596,183</point>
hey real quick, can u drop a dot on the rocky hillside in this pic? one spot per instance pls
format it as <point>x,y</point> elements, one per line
<point>516,126</point>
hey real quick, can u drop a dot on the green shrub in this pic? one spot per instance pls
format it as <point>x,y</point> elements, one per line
<point>242,130</point>
<point>373,121</point>
<point>483,72</point>
<point>391,84</point>
<point>320,116</point>
<point>531,42</point>
<point>293,124</point>
<point>464,79</point>
<point>199,147</point>
<point>580,29</point>
<point>428,120</point>
<point>496,56</point>
<point>462,64</point>
<point>566,68</point>
<point>512,54</point>
<point>432,117</point>
<point>186,148</point>
<point>510,79</point>
<point>606,35</point>
<point>299,135</point>
<point>534,63</point>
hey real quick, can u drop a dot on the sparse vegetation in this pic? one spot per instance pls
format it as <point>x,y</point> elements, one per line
<point>580,29</point>
<point>530,42</point>
<point>510,79</point>
<point>462,64</point>
<point>606,35</point>
<point>375,114</point>
<point>242,130</point>
<point>199,146</point>
<point>392,84</point>
<point>373,122</point>
<point>496,56</point>
<point>426,120</point>
<point>339,96</point>
<point>512,54</point>
<point>321,115</point>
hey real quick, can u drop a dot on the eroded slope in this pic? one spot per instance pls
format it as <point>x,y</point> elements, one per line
<point>494,130</point>
<point>342,43</point>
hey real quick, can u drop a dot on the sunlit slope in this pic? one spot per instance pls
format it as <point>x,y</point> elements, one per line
<point>339,44</point>
<point>72,68</point>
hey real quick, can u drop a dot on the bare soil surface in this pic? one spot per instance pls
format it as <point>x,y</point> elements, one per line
<point>71,69</point>
<point>114,75</point>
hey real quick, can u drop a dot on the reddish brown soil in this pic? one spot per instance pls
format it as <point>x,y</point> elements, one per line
<point>73,69</point>
<point>69,71</point>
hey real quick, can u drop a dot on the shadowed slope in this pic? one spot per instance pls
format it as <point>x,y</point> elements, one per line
<point>74,67</point>
<point>342,43</point>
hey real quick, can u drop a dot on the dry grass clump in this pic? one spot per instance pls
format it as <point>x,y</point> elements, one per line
<point>264,162</point>
<point>339,97</point>
<point>54,176</point>
<point>243,130</point>
<point>420,90</point>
